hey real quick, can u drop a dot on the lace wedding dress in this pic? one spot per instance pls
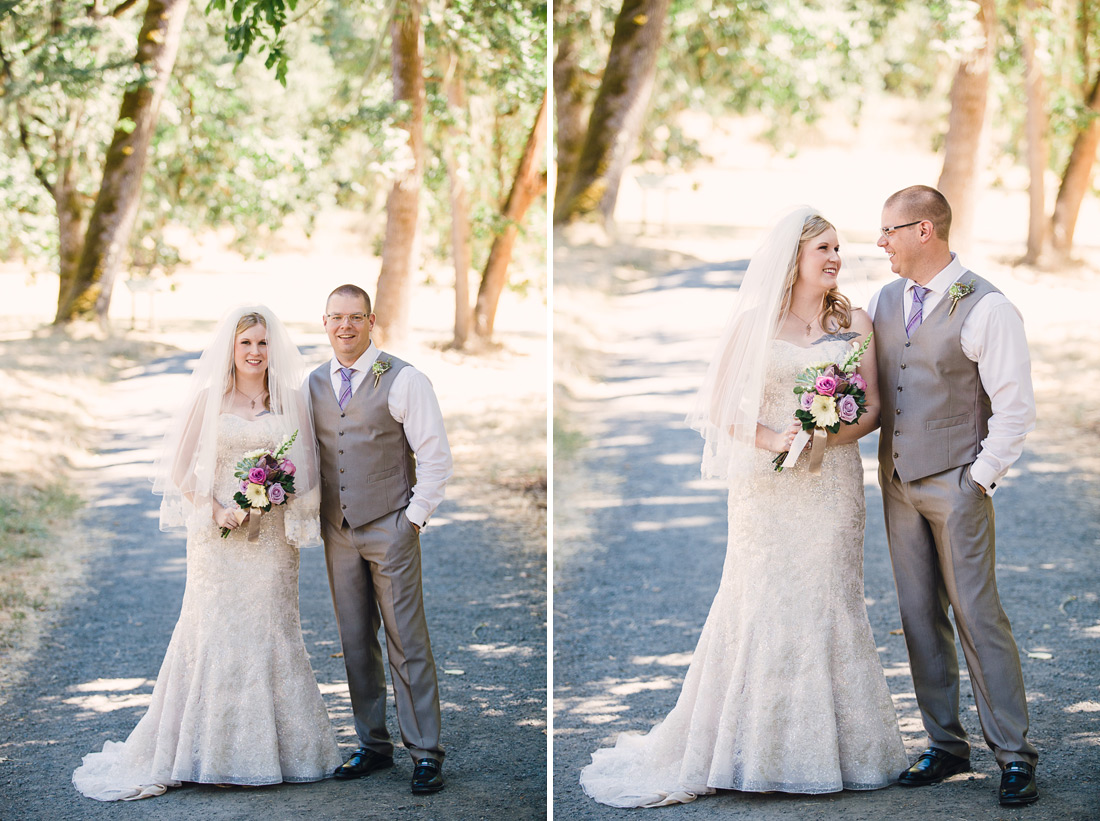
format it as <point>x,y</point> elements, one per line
<point>236,701</point>
<point>785,691</point>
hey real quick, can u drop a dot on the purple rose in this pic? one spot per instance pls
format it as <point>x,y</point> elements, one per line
<point>807,400</point>
<point>244,485</point>
<point>847,408</point>
<point>257,476</point>
<point>825,385</point>
<point>857,380</point>
<point>288,467</point>
<point>276,494</point>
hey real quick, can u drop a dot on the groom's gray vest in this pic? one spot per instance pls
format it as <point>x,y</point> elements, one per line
<point>367,466</point>
<point>935,412</point>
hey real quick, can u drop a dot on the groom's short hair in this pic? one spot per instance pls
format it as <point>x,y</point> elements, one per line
<point>351,290</point>
<point>922,202</point>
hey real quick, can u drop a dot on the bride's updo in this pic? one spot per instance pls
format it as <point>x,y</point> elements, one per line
<point>837,309</point>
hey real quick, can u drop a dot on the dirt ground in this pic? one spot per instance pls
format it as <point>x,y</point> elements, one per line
<point>109,588</point>
<point>639,539</point>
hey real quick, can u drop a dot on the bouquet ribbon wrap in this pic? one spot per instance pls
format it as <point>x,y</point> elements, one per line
<point>817,452</point>
<point>254,524</point>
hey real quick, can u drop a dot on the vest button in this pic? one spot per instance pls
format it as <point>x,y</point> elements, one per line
<point>896,433</point>
<point>341,470</point>
<point>342,433</point>
<point>342,453</point>
<point>903,366</point>
<point>907,344</point>
<point>896,410</point>
<point>342,415</point>
<point>342,488</point>
<point>895,456</point>
<point>899,391</point>
<point>345,507</point>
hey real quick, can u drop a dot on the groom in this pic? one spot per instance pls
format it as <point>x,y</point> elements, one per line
<point>955,383</point>
<point>384,463</point>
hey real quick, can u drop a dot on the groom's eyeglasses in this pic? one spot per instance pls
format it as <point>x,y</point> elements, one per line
<point>886,232</point>
<point>354,319</point>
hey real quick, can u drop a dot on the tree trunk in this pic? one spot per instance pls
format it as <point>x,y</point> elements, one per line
<point>112,220</point>
<point>1036,136</point>
<point>70,222</point>
<point>457,173</point>
<point>394,291</point>
<point>569,107</point>
<point>962,149</point>
<point>1077,177</point>
<point>529,183</point>
<point>617,114</point>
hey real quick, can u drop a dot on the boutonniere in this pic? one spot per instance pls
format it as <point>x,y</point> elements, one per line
<point>379,368</point>
<point>957,292</point>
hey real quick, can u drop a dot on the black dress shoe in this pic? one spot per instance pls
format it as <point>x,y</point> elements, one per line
<point>362,762</point>
<point>1018,784</point>
<point>427,776</point>
<point>931,766</point>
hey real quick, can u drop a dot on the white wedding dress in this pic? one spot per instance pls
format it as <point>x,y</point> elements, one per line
<point>236,701</point>
<point>785,691</point>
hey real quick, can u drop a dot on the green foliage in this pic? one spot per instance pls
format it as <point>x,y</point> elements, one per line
<point>257,20</point>
<point>235,150</point>
<point>501,47</point>
<point>1066,49</point>
<point>62,73</point>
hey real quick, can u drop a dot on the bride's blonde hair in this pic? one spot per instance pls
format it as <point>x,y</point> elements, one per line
<point>247,321</point>
<point>837,307</point>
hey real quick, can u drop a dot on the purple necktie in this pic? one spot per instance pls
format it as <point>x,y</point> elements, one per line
<point>345,386</point>
<point>916,311</point>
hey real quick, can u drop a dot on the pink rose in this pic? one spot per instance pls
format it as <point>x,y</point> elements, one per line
<point>825,385</point>
<point>847,408</point>
<point>276,494</point>
<point>288,467</point>
<point>857,380</point>
<point>257,476</point>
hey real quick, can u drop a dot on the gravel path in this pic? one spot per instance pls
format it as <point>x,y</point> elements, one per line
<point>640,539</point>
<point>484,579</point>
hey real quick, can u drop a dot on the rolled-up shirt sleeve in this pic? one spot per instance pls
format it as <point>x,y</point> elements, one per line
<point>993,337</point>
<point>413,403</point>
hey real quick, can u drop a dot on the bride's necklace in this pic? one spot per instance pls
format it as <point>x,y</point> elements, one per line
<point>251,399</point>
<point>809,325</point>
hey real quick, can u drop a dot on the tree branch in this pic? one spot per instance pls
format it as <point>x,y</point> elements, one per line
<point>122,8</point>
<point>24,133</point>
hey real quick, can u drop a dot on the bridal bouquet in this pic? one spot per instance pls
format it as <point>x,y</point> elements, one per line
<point>267,479</point>
<point>828,394</point>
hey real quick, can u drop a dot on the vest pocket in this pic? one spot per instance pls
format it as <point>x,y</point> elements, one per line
<point>949,422</point>
<point>385,474</point>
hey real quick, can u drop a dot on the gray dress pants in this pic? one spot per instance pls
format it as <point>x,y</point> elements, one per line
<point>942,547</point>
<point>374,575</point>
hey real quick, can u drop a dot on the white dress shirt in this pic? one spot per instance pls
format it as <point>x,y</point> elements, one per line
<point>992,336</point>
<point>411,402</point>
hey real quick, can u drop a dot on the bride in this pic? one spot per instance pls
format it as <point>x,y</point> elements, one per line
<point>236,701</point>
<point>785,691</point>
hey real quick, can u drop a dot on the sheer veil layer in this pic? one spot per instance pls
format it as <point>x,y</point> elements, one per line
<point>727,406</point>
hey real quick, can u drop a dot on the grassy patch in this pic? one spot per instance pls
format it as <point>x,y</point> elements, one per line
<point>26,519</point>
<point>31,520</point>
<point>567,441</point>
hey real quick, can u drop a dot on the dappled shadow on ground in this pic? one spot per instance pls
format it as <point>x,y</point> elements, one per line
<point>633,587</point>
<point>484,569</point>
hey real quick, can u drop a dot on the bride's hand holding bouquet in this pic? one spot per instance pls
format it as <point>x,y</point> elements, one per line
<point>828,394</point>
